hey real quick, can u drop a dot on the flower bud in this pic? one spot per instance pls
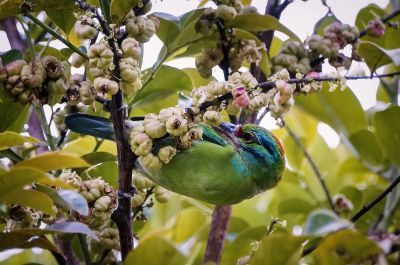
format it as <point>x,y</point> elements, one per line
<point>131,48</point>
<point>86,93</point>
<point>15,67</point>
<point>258,102</point>
<point>240,97</point>
<point>151,161</point>
<point>129,70</point>
<point>342,204</point>
<point>76,60</point>
<point>193,134</point>
<point>105,86</point>
<point>166,153</point>
<point>71,178</point>
<point>141,144</point>
<point>162,195</point>
<point>103,203</point>
<point>59,86</point>
<point>212,117</point>
<point>33,74</point>
<point>138,199</point>
<point>165,114</point>
<point>140,180</point>
<point>130,88</point>
<point>226,12</point>
<point>176,125</point>
<point>83,31</point>
<point>53,67</point>
<point>153,126</point>
<point>100,56</point>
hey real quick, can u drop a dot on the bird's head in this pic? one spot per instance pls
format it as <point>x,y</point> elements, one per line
<point>260,153</point>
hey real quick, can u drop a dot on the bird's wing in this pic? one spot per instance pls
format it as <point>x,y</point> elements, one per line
<point>90,125</point>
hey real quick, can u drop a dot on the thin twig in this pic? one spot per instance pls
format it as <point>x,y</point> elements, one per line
<point>363,211</point>
<point>56,35</point>
<point>314,167</point>
<point>140,208</point>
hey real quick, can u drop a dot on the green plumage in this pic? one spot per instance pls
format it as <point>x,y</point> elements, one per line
<point>229,165</point>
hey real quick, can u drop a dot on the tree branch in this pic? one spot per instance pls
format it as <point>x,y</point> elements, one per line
<point>314,167</point>
<point>363,211</point>
<point>216,237</point>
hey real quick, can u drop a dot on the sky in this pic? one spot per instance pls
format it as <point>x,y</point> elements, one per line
<point>299,16</point>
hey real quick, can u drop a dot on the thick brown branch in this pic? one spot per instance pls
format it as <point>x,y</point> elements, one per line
<point>216,237</point>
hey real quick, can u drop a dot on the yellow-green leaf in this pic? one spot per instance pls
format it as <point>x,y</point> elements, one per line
<point>376,56</point>
<point>9,139</point>
<point>53,161</point>
<point>29,198</point>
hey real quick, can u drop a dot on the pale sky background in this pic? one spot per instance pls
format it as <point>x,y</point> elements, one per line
<point>300,17</point>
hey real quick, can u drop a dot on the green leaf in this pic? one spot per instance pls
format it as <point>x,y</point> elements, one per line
<point>188,222</point>
<point>10,56</point>
<point>10,8</point>
<point>333,109</point>
<point>29,198</point>
<point>119,9</point>
<point>387,127</point>
<point>325,21</point>
<point>168,80</point>
<point>69,199</point>
<point>390,40</point>
<point>17,178</point>
<point>256,22</point>
<point>16,239</point>
<point>195,77</point>
<point>13,116</point>
<point>272,250</point>
<point>53,161</point>
<point>155,251</point>
<point>10,139</point>
<point>295,206</point>
<point>31,257</point>
<point>107,170</point>
<point>323,221</point>
<point>345,247</point>
<point>64,19</point>
<point>99,157</point>
<point>376,56</point>
<point>366,146</point>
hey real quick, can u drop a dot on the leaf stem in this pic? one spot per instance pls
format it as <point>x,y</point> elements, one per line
<point>56,35</point>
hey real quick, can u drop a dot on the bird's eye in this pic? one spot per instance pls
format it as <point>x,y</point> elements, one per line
<point>247,137</point>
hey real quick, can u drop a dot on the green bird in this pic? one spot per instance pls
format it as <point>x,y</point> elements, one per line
<point>230,164</point>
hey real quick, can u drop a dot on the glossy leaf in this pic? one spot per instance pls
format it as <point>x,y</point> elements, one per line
<point>345,247</point>
<point>387,126</point>
<point>13,116</point>
<point>10,139</point>
<point>107,170</point>
<point>155,251</point>
<point>64,19</point>
<point>10,56</point>
<point>10,8</point>
<point>53,161</point>
<point>188,222</point>
<point>16,239</point>
<point>17,178</point>
<point>323,221</point>
<point>376,56</point>
<point>256,22</point>
<point>29,198</point>
<point>367,147</point>
<point>69,199</point>
<point>271,251</point>
<point>99,157</point>
<point>195,77</point>
<point>119,9</point>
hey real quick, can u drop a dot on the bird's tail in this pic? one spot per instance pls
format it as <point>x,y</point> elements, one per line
<point>90,125</point>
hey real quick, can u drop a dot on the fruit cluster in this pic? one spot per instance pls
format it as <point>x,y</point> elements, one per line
<point>34,81</point>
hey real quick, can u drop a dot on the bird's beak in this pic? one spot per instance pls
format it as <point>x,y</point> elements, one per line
<point>228,131</point>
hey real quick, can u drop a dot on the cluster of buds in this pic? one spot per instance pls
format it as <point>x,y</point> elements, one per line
<point>207,60</point>
<point>140,27</point>
<point>36,80</point>
<point>247,50</point>
<point>173,121</point>
<point>145,187</point>
<point>18,217</point>
<point>129,66</point>
<point>107,238</point>
<point>85,28</point>
<point>101,198</point>
<point>375,28</point>
<point>294,57</point>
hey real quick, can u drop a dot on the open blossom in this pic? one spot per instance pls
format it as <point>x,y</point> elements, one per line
<point>240,97</point>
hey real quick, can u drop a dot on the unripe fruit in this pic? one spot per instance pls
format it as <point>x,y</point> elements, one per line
<point>153,126</point>
<point>140,181</point>
<point>131,48</point>
<point>141,144</point>
<point>166,153</point>
<point>151,161</point>
<point>162,195</point>
<point>176,125</point>
<point>100,56</point>
<point>128,70</point>
<point>226,12</point>
<point>212,117</point>
<point>86,93</point>
<point>77,60</point>
<point>85,31</point>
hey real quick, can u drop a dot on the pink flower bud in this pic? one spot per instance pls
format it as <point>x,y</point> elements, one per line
<point>313,75</point>
<point>240,97</point>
